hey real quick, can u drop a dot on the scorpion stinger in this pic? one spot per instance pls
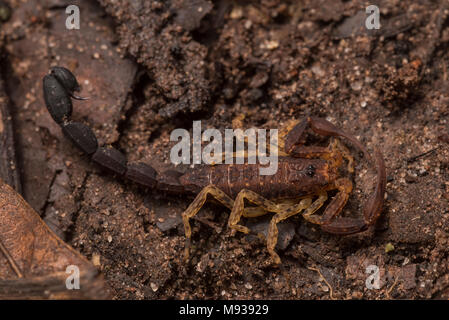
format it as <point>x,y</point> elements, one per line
<point>68,81</point>
<point>78,97</point>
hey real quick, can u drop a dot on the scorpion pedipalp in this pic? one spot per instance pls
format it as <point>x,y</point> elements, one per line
<point>371,210</point>
<point>373,206</point>
<point>326,128</point>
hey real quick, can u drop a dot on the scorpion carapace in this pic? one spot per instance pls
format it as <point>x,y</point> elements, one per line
<point>304,176</point>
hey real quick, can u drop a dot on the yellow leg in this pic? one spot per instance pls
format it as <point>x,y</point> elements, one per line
<point>282,210</point>
<point>318,203</point>
<point>254,212</point>
<point>272,237</point>
<point>197,204</point>
<point>238,209</point>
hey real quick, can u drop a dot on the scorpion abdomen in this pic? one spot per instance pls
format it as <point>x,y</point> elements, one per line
<point>295,177</point>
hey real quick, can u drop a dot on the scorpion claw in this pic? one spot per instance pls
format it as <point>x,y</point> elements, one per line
<point>292,137</point>
<point>345,226</point>
<point>374,205</point>
<point>371,211</point>
<point>325,128</point>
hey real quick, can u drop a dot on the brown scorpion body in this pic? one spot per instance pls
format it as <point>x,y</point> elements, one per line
<point>304,176</point>
<point>294,178</point>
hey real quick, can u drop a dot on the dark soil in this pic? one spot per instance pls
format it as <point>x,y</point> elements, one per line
<point>152,66</point>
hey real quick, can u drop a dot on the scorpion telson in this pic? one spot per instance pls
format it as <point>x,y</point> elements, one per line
<point>299,186</point>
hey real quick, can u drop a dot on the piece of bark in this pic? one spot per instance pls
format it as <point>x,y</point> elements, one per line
<point>34,261</point>
<point>8,164</point>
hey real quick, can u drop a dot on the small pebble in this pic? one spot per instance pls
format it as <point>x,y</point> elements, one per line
<point>96,259</point>
<point>154,286</point>
<point>236,13</point>
<point>389,247</point>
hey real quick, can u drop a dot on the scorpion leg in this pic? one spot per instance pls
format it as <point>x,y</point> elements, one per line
<point>238,209</point>
<point>253,212</point>
<point>272,237</point>
<point>282,212</point>
<point>197,204</point>
<point>318,203</point>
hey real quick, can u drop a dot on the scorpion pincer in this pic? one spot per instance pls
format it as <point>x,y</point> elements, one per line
<point>304,177</point>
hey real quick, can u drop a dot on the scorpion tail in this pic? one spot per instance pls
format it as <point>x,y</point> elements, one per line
<point>59,86</point>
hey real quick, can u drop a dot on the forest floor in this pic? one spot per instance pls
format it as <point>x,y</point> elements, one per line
<point>150,67</point>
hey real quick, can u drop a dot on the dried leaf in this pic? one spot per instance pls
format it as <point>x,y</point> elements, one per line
<point>33,260</point>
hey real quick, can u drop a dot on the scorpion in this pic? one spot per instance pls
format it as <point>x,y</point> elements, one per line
<point>300,186</point>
